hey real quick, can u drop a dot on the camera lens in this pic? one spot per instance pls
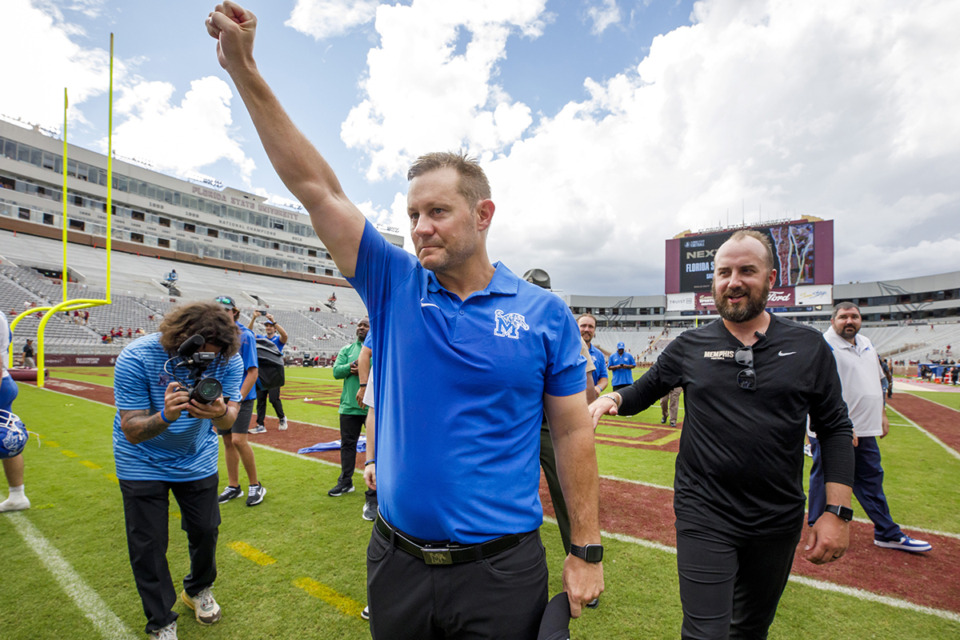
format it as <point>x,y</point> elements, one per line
<point>207,390</point>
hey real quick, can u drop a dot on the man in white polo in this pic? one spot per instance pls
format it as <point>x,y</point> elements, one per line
<point>860,374</point>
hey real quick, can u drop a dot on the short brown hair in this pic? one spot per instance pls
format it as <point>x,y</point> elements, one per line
<point>587,315</point>
<point>210,319</point>
<point>842,306</point>
<point>473,186</point>
<point>756,235</point>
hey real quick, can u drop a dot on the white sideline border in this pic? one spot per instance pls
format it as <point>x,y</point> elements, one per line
<point>859,594</point>
<point>87,600</point>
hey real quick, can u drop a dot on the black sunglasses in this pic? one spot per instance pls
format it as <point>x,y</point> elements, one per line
<point>746,378</point>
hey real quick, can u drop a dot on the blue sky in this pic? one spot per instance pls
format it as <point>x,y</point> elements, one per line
<point>606,126</point>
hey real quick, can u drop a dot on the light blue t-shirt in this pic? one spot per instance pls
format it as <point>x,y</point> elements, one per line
<point>459,394</point>
<point>622,376</point>
<point>188,449</point>
<point>275,340</point>
<point>600,362</point>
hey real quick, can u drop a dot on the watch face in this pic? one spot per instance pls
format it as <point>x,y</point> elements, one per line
<point>589,552</point>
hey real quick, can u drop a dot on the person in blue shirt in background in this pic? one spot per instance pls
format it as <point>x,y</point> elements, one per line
<point>162,442</point>
<point>622,364</point>
<point>274,333</point>
<point>588,329</point>
<point>236,448</point>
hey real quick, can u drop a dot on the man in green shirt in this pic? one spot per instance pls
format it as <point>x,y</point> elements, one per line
<point>352,415</point>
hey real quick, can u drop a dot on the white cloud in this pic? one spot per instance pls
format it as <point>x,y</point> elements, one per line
<point>431,84</point>
<point>603,15</point>
<point>327,18</point>
<point>182,137</point>
<point>833,110</point>
<point>41,59</point>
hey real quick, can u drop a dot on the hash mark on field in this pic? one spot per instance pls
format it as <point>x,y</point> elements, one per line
<point>90,604</point>
<point>90,465</point>
<point>51,443</point>
<point>113,477</point>
<point>345,604</point>
<point>69,454</point>
<point>250,553</point>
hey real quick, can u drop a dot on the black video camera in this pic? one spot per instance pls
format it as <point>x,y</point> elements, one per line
<point>203,390</point>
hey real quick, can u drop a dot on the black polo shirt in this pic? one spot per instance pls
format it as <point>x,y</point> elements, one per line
<point>740,466</point>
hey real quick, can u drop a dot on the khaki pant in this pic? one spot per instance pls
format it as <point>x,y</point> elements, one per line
<point>671,400</point>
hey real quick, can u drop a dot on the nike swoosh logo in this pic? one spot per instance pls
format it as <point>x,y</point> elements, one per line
<point>788,353</point>
<point>427,304</point>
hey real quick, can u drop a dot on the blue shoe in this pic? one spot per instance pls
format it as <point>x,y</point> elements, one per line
<point>905,543</point>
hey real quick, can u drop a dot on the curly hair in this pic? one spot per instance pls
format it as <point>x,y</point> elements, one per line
<point>473,184</point>
<point>210,319</point>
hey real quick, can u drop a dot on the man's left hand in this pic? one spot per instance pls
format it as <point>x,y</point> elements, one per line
<point>827,539</point>
<point>583,582</point>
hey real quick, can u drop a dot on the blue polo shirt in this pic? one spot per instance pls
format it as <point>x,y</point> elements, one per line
<point>188,449</point>
<point>600,362</point>
<point>248,353</point>
<point>622,376</point>
<point>459,394</point>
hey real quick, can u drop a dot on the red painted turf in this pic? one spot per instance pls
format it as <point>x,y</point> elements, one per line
<point>931,579</point>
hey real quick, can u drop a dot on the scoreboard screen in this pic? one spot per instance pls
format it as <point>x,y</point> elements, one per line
<point>803,255</point>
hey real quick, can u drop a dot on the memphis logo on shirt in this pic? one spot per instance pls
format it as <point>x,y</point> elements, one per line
<point>508,325</point>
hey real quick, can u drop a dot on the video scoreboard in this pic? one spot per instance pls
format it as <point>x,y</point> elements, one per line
<point>803,258</point>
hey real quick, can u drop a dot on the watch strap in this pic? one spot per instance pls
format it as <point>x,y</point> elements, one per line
<point>844,513</point>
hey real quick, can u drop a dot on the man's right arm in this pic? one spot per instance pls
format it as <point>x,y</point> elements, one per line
<point>337,221</point>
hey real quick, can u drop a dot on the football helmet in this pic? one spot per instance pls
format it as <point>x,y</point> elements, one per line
<point>13,434</point>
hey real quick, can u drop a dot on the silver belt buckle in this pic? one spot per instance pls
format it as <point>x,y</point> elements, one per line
<point>436,556</point>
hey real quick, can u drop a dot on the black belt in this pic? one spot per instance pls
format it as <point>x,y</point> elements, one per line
<point>439,553</point>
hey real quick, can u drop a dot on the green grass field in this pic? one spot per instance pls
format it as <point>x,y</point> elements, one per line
<point>294,566</point>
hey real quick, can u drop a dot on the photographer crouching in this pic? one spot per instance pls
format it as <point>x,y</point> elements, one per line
<point>173,389</point>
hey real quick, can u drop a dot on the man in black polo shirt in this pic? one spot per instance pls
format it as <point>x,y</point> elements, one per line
<point>749,381</point>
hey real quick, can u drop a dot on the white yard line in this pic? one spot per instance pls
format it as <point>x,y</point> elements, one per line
<point>953,452</point>
<point>90,604</point>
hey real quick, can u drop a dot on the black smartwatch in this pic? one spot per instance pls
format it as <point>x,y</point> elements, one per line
<point>590,552</point>
<point>844,513</point>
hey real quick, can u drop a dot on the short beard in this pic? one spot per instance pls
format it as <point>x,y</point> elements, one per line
<point>753,308</point>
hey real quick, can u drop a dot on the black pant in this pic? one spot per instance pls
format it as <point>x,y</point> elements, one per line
<point>146,508</point>
<point>548,461</point>
<point>500,597</point>
<point>274,395</point>
<point>350,426</point>
<point>731,588</point>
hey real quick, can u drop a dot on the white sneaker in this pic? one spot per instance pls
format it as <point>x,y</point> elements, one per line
<point>16,502</point>
<point>283,423</point>
<point>206,608</point>
<point>258,429</point>
<point>168,632</point>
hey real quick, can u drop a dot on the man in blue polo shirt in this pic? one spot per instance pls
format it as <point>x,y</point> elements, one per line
<point>163,442</point>
<point>588,329</point>
<point>469,356</point>
<point>622,364</point>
